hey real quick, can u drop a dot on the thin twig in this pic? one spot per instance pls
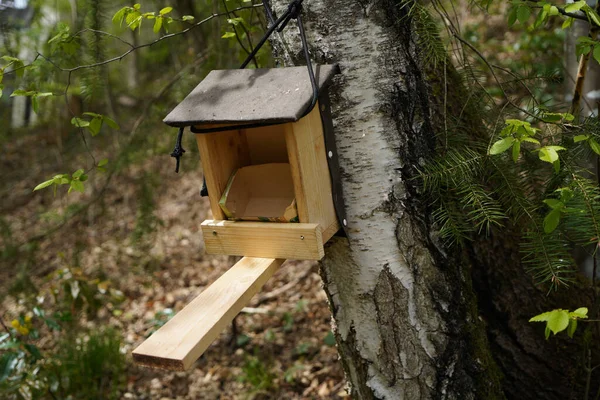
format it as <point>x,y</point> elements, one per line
<point>491,68</point>
<point>134,48</point>
<point>112,172</point>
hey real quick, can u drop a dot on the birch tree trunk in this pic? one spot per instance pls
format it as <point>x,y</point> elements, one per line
<point>408,320</point>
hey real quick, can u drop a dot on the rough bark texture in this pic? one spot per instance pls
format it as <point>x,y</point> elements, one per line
<point>406,315</point>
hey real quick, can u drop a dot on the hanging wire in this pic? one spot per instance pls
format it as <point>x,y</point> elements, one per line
<point>293,11</point>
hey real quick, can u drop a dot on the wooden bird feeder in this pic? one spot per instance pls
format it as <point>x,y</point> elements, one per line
<point>267,167</point>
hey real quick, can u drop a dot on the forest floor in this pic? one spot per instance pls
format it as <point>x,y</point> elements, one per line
<point>283,348</point>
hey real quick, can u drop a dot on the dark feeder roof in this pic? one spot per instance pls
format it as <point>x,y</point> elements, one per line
<point>246,96</point>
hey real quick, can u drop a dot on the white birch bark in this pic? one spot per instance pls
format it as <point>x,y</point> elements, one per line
<point>389,298</point>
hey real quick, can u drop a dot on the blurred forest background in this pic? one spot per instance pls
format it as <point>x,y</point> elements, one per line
<point>85,276</point>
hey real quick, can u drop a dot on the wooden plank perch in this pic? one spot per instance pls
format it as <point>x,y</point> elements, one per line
<point>182,340</point>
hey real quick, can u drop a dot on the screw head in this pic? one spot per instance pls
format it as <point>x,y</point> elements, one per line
<point>214,233</point>
<point>301,237</point>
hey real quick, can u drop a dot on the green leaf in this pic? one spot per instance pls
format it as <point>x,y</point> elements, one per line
<point>516,150</point>
<point>575,6</point>
<point>547,332</point>
<point>228,35</point>
<point>543,317</point>
<point>596,53</point>
<point>568,22</point>
<point>554,203</point>
<point>1,87</point>
<point>580,138</point>
<point>188,18</point>
<point>166,10</point>
<point>103,162</point>
<point>594,146</point>
<point>541,17</point>
<point>580,313</point>
<point>530,140</point>
<point>91,114</point>
<point>572,327</point>
<point>157,24</point>
<point>523,13</point>
<point>558,321</point>
<point>80,123</point>
<point>502,145</point>
<point>44,184</point>
<point>549,153</point>
<point>8,362</point>
<point>20,92</point>
<point>111,123</point>
<point>594,17</point>
<point>119,15</point>
<point>77,173</point>
<point>33,350</point>
<point>78,186</point>
<point>552,220</point>
<point>35,104</point>
<point>512,16</point>
<point>95,125</point>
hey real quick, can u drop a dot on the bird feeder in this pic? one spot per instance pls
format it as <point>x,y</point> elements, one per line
<point>268,164</point>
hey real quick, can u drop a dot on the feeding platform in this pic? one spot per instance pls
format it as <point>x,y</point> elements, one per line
<point>267,164</point>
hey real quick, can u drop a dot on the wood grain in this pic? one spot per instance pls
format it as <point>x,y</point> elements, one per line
<point>182,340</point>
<point>221,153</point>
<point>263,239</point>
<point>310,173</point>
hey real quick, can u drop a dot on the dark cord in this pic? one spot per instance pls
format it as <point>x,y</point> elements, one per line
<point>178,150</point>
<point>293,11</point>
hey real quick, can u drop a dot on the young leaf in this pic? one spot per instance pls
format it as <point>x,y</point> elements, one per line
<point>189,18</point>
<point>35,104</point>
<point>549,153</point>
<point>596,53</point>
<point>543,317</point>
<point>523,13</point>
<point>77,173</point>
<point>103,162</point>
<point>573,7</point>
<point>594,146</point>
<point>44,184</point>
<point>119,15</point>
<point>580,138</point>
<point>516,150</point>
<point>594,17</point>
<point>80,123</point>
<point>78,186</point>
<point>558,321</point>
<point>157,24</point>
<point>95,125</point>
<point>110,122</point>
<point>512,16</point>
<point>572,327</point>
<point>554,203</point>
<point>552,220</point>
<point>166,10</point>
<point>502,145</point>
<point>580,313</point>
<point>228,35</point>
<point>568,22</point>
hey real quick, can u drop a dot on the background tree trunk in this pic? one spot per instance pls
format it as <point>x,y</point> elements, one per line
<point>408,321</point>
